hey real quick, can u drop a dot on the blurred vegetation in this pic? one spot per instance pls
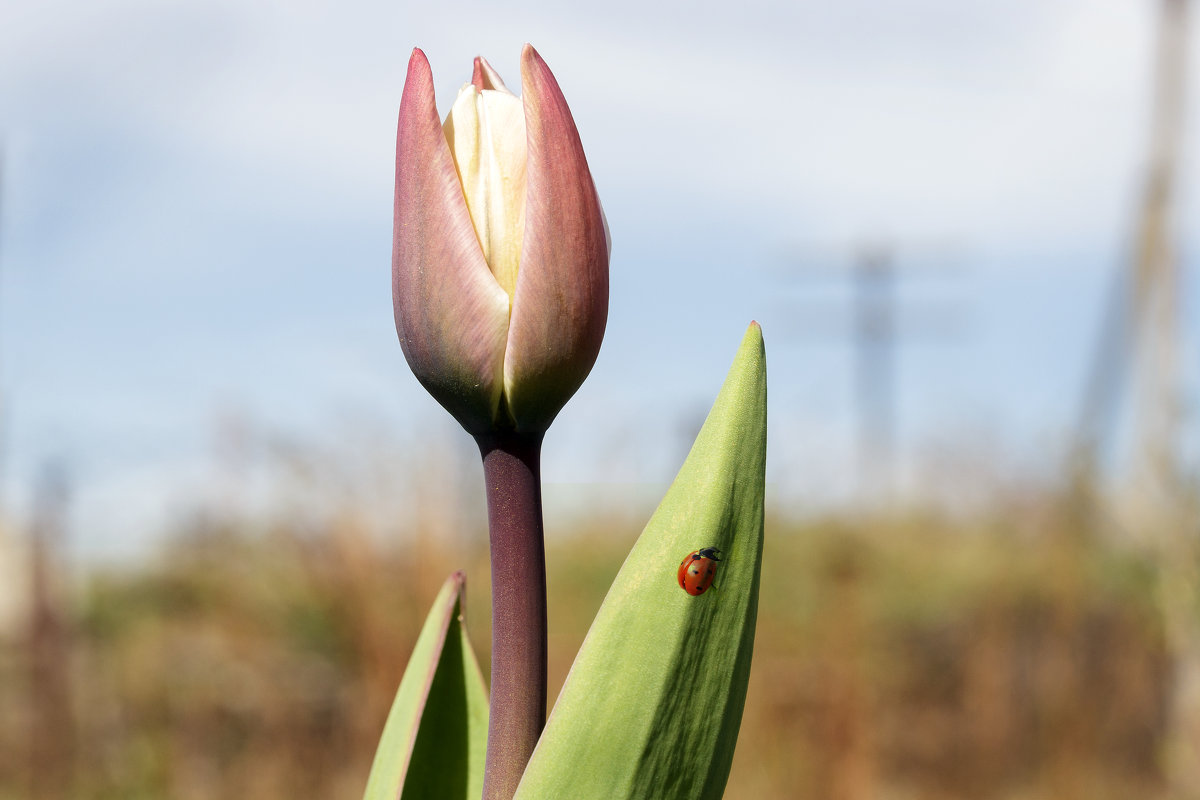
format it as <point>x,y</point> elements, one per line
<point>995,655</point>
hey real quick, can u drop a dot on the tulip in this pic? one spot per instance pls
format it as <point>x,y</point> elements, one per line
<point>500,286</point>
<point>500,248</point>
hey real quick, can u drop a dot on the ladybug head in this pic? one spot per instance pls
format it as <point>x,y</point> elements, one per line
<point>709,552</point>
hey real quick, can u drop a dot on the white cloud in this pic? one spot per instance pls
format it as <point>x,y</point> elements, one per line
<point>199,175</point>
<point>938,117</point>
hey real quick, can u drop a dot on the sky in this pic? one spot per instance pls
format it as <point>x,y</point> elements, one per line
<point>195,231</point>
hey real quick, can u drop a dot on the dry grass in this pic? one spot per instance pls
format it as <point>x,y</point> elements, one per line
<point>1010,657</point>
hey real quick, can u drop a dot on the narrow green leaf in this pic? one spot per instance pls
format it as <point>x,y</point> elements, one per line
<point>652,705</point>
<point>434,742</point>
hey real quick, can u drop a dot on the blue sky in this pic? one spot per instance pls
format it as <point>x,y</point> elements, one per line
<point>197,219</point>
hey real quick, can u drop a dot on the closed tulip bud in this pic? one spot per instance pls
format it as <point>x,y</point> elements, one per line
<point>500,248</point>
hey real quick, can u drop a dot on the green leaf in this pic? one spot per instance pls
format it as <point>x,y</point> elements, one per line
<point>652,705</point>
<point>435,739</point>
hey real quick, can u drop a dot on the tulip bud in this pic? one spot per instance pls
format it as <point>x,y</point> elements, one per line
<point>500,248</point>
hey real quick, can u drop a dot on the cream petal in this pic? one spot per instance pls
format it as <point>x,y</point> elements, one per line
<point>486,133</point>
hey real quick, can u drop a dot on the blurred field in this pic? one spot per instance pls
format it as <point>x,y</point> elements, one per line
<point>1006,655</point>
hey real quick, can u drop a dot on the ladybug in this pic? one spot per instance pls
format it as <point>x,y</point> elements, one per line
<point>698,569</point>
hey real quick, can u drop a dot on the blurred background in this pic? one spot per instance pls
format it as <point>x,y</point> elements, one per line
<point>966,229</point>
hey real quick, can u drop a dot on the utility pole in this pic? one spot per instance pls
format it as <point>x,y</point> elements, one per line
<point>51,737</point>
<point>1139,345</point>
<point>875,369</point>
<point>1159,484</point>
<point>1156,267</point>
<point>1138,341</point>
<point>875,331</point>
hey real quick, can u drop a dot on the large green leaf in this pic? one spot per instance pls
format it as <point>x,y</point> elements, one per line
<point>652,705</point>
<point>434,742</point>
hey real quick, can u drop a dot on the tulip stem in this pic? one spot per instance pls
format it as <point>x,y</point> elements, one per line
<point>512,474</point>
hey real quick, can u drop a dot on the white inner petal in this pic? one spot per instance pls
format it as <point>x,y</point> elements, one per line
<point>486,133</point>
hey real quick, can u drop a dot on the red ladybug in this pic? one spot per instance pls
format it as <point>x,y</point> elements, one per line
<point>698,569</point>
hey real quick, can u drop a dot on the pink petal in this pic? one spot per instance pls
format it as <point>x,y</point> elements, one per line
<point>561,301</point>
<point>451,314</point>
<point>484,77</point>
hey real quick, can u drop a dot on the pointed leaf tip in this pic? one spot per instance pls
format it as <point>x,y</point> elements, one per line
<point>672,668</point>
<point>435,738</point>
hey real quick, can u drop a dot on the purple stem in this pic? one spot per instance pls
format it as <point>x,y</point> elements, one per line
<point>512,474</point>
